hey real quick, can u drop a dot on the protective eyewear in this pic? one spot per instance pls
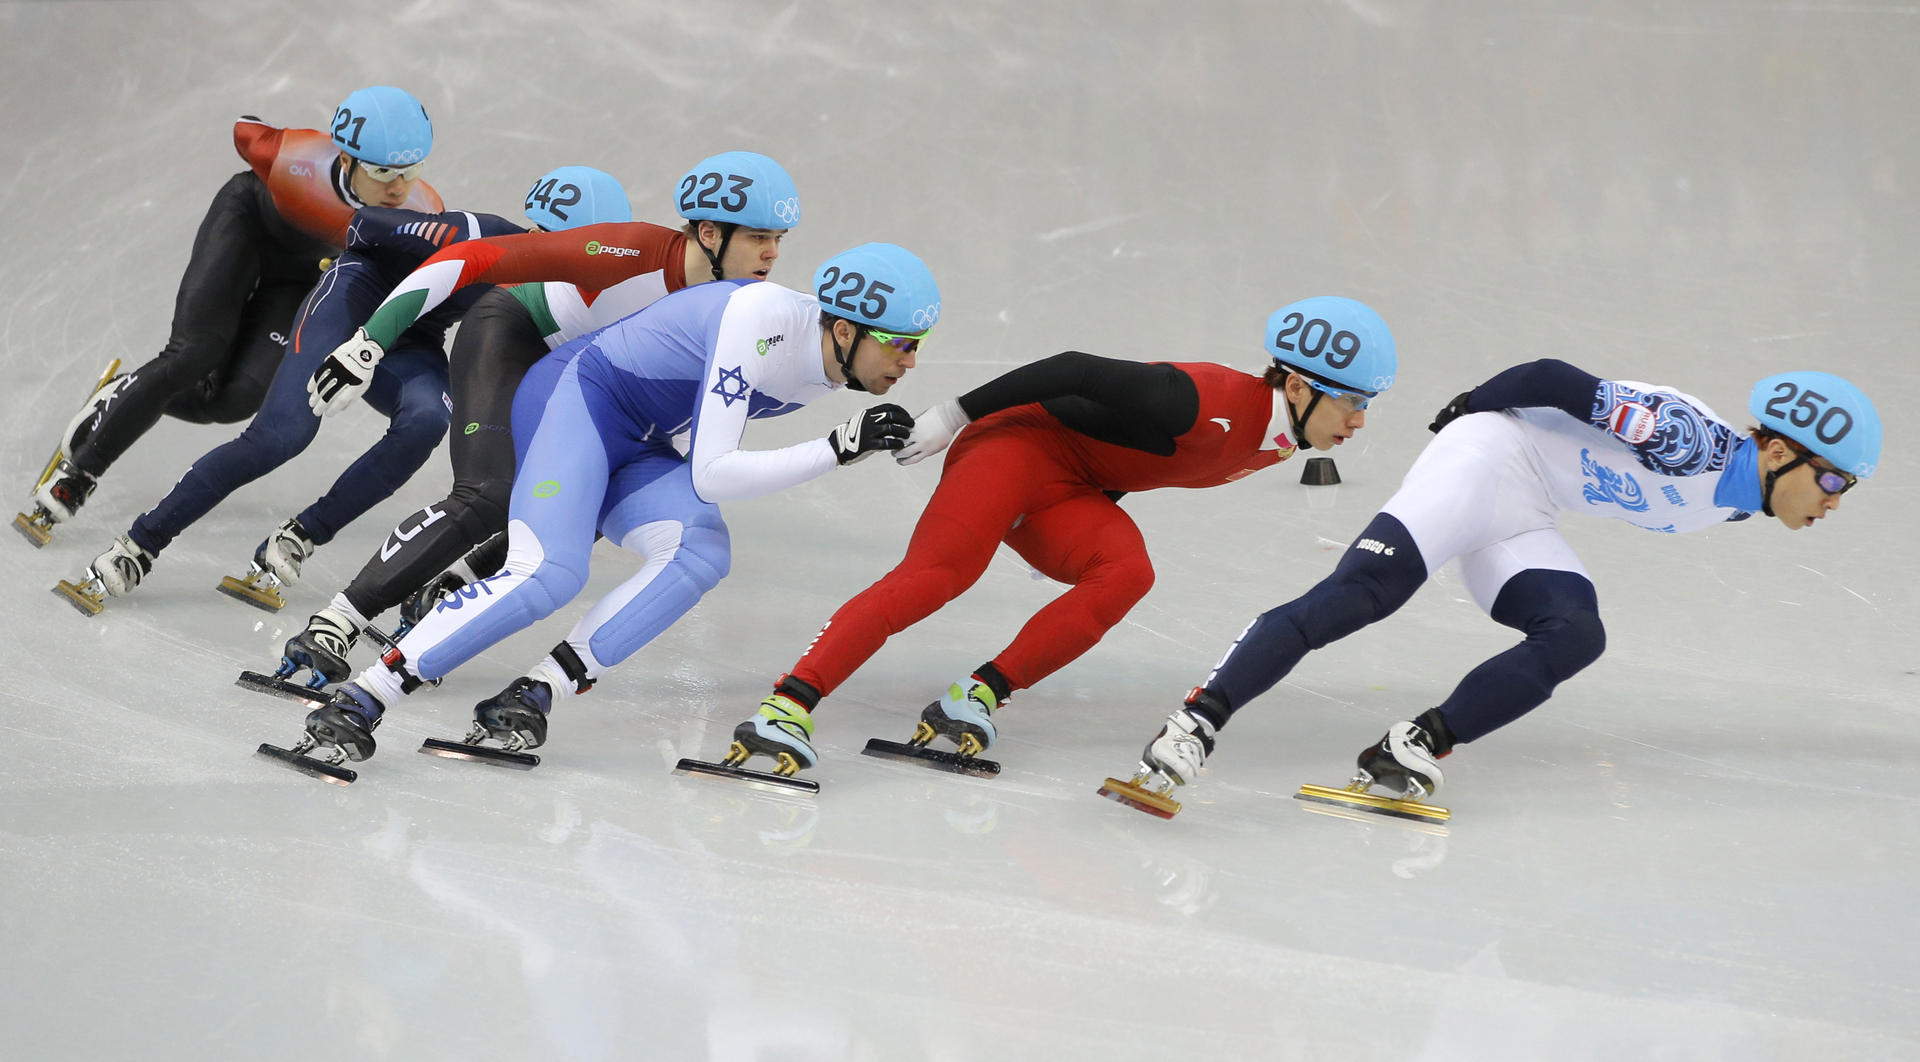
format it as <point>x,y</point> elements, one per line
<point>1829,480</point>
<point>387,174</point>
<point>1357,400</point>
<point>901,344</point>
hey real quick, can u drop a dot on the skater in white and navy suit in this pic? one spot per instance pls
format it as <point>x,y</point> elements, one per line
<point>1535,441</point>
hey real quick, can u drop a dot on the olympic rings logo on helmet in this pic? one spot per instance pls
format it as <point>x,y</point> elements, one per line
<point>402,158</point>
<point>926,316</point>
<point>787,210</point>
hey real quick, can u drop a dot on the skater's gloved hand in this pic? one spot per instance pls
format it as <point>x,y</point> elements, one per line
<point>882,427</point>
<point>1453,411</point>
<point>932,431</point>
<point>345,375</point>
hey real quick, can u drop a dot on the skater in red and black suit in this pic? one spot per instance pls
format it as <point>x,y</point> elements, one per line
<point>264,242</point>
<point>1047,451</point>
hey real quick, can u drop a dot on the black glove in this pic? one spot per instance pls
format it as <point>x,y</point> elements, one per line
<point>1453,411</point>
<point>883,427</point>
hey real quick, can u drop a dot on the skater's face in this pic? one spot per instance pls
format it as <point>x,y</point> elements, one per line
<point>1334,419</point>
<point>750,254</point>
<point>1806,488</point>
<point>879,359</point>
<point>382,186</point>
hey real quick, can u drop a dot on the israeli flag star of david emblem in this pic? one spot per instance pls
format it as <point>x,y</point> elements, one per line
<point>732,386</point>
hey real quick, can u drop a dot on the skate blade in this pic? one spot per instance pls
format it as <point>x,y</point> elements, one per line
<point>460,750</point>
<point>937,759</point>
<point>259,596</point>
<point>760,779</point>
<point>80,598</point>
<point>307,765</point>
<point>279,687</point>
<point>35,528</point>
<point>1378,805</point>
<point>1139,798</point>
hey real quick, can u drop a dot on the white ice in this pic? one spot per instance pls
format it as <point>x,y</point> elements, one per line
<point>1703,847</point>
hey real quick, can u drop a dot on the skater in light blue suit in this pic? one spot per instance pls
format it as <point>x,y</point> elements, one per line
<point>595,422</point>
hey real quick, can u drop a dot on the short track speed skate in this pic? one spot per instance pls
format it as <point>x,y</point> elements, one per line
<point>259,588</point>
<point>782,729</point>
<point>88,596</point>
<point>275,686</point>
<point>516,717</point>
<point>1407,759</point>
<point>344,727</point>
<point>328,769</point>
<point>730,768</point>
<point>1148,791</point>
<point>37,526</point>
<point>915,750</point>
<point>1355,796</point>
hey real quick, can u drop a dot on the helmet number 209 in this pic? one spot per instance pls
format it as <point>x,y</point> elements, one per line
<point>1315,338</point>
<point>842,289</point>
<point>554,199</point>
<point>1802,409</point>
<point>702,191</point>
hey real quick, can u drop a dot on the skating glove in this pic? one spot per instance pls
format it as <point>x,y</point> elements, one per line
<point>1453,411</point>
<point>882,427</point>
<point>345,375</point>
<point>933,430</point>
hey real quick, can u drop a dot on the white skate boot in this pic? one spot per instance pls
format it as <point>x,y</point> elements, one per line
<point>276,563</point>
<point>114,573</point>
<point>1173,758</point>
<point>1405,763</point>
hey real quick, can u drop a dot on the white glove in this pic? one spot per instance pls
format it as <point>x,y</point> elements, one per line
<point>932,431</point>
<point>345,375</point>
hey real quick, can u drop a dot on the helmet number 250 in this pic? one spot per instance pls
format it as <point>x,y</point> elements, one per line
<point>1315,338</point>
<point>1802,409</point>
<point>841,289</point>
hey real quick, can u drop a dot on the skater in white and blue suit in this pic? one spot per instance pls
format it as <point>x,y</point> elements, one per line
<point>1535,441</point>
<point>594,423</point>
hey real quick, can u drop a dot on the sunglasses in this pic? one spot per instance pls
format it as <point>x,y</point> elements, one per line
<point>386,174</point>
<point>903,344</point>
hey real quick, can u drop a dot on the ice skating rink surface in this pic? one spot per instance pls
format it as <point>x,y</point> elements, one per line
<point>1702,848</point>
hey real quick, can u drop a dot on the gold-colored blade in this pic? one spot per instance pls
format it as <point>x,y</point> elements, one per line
<point>1404,809</point>
<point>1134,796</point>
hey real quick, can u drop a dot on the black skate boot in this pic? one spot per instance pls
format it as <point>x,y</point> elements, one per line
<point>343,726</point>
<point>517,716</point>
<point>1406,760</point>
<point>321,649</point>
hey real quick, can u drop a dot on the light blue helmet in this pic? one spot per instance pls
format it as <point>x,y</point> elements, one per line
<point>572,196</point>
<point>740,188</point>
<point>383,126</point>
<point>880,287</point>
<point>1824,413</point>
<point>1335,340</point>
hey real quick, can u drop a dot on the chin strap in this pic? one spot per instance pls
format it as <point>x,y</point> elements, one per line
<point>844,358</point>
<point>1299,418</point>
<point>1766,485</point>
<point>343,180</point>
<point>714,257</point>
